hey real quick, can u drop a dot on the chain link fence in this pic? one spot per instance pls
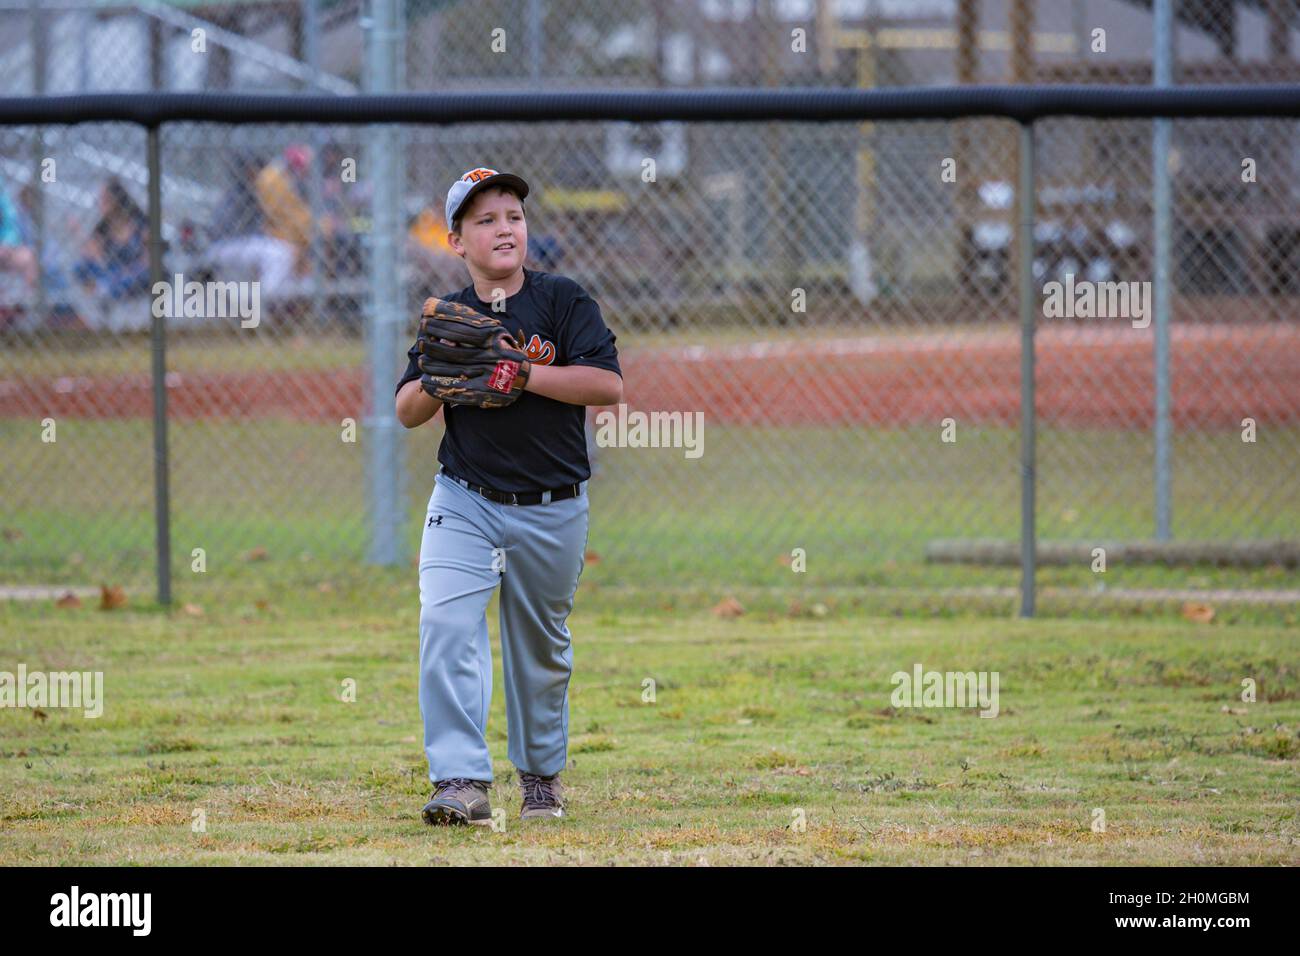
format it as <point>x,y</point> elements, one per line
<point>835,302</point>
<point>452,45</point>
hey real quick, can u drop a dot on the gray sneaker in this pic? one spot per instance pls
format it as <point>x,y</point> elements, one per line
<point>543,796</point>
<point>458,801</point>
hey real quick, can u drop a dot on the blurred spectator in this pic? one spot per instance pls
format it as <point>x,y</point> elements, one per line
<point>342,215</point>
<point>443,270</point>
<point>281,189</point>
<point>545,251</point>
<point>56,281</point>
<point>62,313</point>
<point>17,255</point>
<point>243,247</point>
<point>115,261</point>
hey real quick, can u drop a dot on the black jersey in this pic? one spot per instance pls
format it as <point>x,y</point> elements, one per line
<point>536,443</point>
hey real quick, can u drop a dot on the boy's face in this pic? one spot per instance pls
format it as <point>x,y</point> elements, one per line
<point>493,237</point>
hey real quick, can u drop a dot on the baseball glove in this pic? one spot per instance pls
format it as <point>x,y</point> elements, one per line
<point>469,358</point>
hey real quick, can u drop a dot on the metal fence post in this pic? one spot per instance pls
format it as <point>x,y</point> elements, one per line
<point>40,65</point>
<point>316,253</point>
<point>386,448</point>
<point>1163,75</point>
<point>1028,302</point>
<point>158,337</point>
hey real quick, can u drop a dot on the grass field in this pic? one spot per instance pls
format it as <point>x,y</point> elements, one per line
<point>758,722</point>
<point>231,706</point>
<point>862,505</point>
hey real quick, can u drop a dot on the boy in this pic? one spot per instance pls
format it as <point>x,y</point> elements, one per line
<point>510,507</point>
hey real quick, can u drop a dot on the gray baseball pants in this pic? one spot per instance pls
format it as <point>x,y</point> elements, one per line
<point>535,553</point>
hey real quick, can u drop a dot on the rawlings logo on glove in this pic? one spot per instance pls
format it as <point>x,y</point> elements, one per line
<point>503,376</point>
<point>469,358</point>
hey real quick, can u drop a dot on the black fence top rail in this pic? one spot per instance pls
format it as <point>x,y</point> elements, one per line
<point>1021,103</point>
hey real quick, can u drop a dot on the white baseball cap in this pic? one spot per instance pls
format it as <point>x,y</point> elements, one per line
<point>475,181</point>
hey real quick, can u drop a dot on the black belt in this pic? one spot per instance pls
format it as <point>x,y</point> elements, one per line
<point>513,498</point>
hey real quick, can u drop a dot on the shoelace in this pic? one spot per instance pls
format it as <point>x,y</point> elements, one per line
<point>538,791</point>
<point>455,784</point>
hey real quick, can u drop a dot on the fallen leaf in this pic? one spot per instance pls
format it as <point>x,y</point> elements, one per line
<point>795,609</point>
<point>13,534</point>
<point>40,714</point>
<point>111,598</point>
<point>728,607</point>
<point>591,557</point>
<point>68,600</point>
<point>1201,613</point>
<point>257,554</point>
<point>261,604</point>
<point>193,610</point>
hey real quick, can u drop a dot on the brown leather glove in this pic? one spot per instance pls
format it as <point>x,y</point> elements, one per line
<point>469,358</point>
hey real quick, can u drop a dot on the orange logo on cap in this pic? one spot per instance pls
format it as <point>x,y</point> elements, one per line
<point>478,175</point>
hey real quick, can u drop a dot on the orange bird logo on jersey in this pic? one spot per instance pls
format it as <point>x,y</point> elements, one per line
<point>540,351</point>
